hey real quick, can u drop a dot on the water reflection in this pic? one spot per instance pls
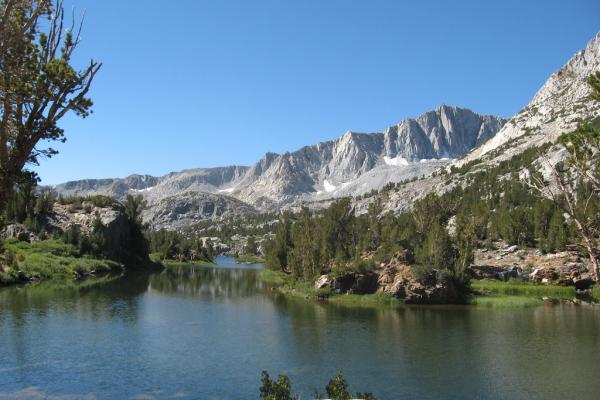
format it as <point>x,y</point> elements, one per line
<point>206,282</point>
<point>204,332</point>
<point>95,297</point>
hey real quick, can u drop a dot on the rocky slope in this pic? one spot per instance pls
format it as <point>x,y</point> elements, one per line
<point>559,105</point>
<point>185,209</point>
<point>352,164</point>
<point>557,108</point>
<point>397,279</point>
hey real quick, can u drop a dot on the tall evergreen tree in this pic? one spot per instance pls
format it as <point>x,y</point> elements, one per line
<point>38,85</point>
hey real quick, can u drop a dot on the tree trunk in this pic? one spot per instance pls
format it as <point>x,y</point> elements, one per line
<point>593,258</point>
<point>6,188</point>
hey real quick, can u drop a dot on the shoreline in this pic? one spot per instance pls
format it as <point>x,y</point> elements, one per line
<point>485,294</point>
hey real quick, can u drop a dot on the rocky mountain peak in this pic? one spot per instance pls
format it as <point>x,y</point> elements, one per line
<point>558,106</point>
<point>446,132</point>
<point>352,164</point>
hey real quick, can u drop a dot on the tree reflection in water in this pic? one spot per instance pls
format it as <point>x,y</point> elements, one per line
<point>207,282</point>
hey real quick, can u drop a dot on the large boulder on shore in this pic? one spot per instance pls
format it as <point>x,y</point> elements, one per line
<point>570,274</point>
<point>350,282</point>
<point>397,278</point>
<point>432,287</point>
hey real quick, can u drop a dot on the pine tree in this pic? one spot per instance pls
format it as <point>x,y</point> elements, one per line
<point>38,85</point>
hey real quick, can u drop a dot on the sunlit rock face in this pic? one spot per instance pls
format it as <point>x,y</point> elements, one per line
<point>558,107</point>
<point>352,164</point>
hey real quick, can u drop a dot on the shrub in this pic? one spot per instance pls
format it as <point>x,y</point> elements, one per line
<point>276,390</point>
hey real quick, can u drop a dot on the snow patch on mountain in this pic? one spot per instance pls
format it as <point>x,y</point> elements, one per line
<point>396,161</point>
<point>328,186</point>
<point>143,190</point>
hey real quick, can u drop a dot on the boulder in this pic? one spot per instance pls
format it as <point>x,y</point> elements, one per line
<point>323,282</point>
<point>18,231</point>
<point>570,274</point>
<point>355,283</point>
<point>583,282</point>
<point>432,288</point>
<point>543,275</point>
<point>500,272</point>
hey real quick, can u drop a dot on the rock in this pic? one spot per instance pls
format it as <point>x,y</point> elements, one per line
<point>451,226</point>
<point>495,272</point>
<point>403,283</point>
<point>511,249</point>
<point>524,276</point>
<point>583,282</point>
<point>543,275</point>
<point>323,282</point>
<point>433,289</point>
<point>514,271</point>
<point>355,283</point>
<point>188,208</point>
<point>503,276</point>
<point>570,274</point>
<point>351,164</point>
<point>18,231</point>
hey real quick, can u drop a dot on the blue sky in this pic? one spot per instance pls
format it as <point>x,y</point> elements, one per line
<point>193,83</point>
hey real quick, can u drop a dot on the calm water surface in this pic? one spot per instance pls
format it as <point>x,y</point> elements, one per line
<point>206,333</point>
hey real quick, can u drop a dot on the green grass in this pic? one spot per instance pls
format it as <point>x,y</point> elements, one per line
<point>179,264</point>
<point>155,258</point>
<point>517,294</point>
<point>522,289</point>
<point>365,300</point>
<point>493,293</point>
<point>286,284</point>
<point>275,278</point>
<point>506,301</point>
<point>51,259</point>
<point>248,259</point>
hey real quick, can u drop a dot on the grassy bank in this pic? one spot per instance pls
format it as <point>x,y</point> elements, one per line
<point>524,289</point>
<point>155,258</point>
<point>49,259</point>
<point>177,264</point>
<point>520,294</point>
<point>287,285</point>
<point>274,278</point>
<point>365,300</point>
<point>488,293</point>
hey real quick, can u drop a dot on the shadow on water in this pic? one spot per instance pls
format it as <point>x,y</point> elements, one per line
<point>94,297</point>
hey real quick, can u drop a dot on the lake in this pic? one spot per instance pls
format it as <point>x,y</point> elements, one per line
<point>208,332</point>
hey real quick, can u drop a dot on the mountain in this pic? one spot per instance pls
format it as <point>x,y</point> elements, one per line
<point>352,164</point>
<point>412,148</point>
<point>185,209</point>
<point>557,108</point>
